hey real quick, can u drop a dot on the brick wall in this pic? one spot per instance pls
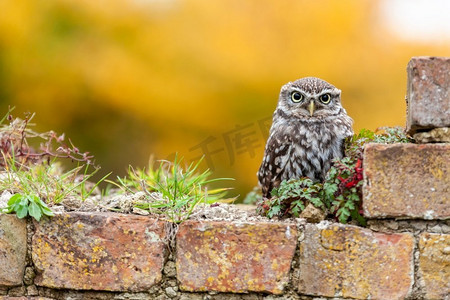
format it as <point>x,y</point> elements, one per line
<point>404,253</point>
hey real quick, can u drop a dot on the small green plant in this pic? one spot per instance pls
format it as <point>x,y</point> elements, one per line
<point>341,193</point>
<point>391,135</point>
<point>342,190</point>
<point>292,197</point>
<point>172,190</point>
<point>35,177</point>
<point>24,205</point>
<point>47,180</point>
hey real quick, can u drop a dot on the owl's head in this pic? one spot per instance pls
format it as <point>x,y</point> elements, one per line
<point>309,98</point>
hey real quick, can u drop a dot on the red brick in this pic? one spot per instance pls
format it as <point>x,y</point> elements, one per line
<point>428,93</point>
<point>13,249</point>
<point>434,265</point>
<point>99,251</point>
<point>407,180</point>
<point>235,257</point>
<point>349,261</point>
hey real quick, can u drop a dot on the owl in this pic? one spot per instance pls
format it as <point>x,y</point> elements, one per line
<point>308,130</point>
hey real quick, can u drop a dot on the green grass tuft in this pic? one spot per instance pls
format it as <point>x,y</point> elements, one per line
<point>171,190</point>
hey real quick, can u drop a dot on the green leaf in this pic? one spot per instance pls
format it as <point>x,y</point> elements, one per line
<point>365,133</point>
<point>16,205</point>
<point>47,211</point>
<point>316,202</point>
<point>357,216</point>
<point>14,198</point>
<point>295,211</point>
<point>22,212</point>
<point>43,206</point>
<point>273,211</point>
<point>35,211</point>
<point>350,205</point>
<point>24,201</point>
<point>7,210</point>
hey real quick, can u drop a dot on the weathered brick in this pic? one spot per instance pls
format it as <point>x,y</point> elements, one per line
<point>407,180</point>
<point>235,257</point>
<point>24,298</point>
<point>349,261</point>
<point>434,265</point>
<point>13,249</point>
<point>428,93</point>
<point>99,251</point>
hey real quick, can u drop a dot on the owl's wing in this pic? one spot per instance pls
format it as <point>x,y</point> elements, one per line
<point>347,123</point>
<point>275,159</point>
<point>347,129</point>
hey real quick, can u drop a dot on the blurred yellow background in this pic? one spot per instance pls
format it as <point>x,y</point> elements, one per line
<point>127,79</point>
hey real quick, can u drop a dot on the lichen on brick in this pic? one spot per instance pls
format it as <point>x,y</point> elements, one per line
<point>352,262</point>
<point>109,252</point>
<point>407,180</point>
<point>434,264</point>
<point>235,257</point>
<point>13,247</point>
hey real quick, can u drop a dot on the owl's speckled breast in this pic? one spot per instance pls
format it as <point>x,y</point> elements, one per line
<point>313,147</point>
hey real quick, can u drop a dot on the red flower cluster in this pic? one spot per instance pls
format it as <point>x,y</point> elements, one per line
<point>357,176</point>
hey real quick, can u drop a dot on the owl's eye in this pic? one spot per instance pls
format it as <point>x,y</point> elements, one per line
<point>297,97</point>
<point>325,98</point>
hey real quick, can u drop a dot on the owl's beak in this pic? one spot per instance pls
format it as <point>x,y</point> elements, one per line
<point>311,107</point>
